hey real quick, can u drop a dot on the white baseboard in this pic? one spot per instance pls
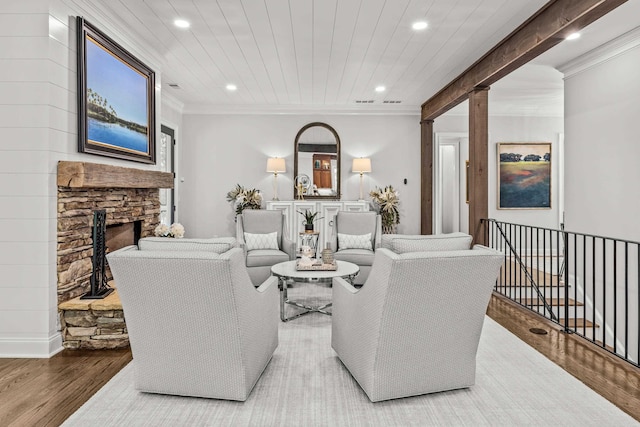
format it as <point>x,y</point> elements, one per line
<point>33,348</point>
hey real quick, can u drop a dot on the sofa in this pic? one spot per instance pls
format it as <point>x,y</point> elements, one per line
<point>403,243</point>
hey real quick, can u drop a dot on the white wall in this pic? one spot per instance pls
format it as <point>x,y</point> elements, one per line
<point>601,148</point>
<point>38,123</point>
<point>219,151</point>
<point>515,129</point>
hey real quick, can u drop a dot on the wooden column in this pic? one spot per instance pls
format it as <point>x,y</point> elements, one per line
<point>478,161</point>
<point>426,177</point>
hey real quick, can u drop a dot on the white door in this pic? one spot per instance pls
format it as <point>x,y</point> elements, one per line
<point>451,211</point>
<point>166,161</point>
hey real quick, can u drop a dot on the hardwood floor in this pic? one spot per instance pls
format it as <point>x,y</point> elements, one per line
<point>617,381</point>
<point>44,392</point>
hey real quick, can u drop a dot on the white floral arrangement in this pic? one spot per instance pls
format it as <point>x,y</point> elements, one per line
<point>386,202</point>
<point>176,230</point>
<point>244,198</point>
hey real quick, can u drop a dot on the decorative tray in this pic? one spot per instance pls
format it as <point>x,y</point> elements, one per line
<point>316,267</point>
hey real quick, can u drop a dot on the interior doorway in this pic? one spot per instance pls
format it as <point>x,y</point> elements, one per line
<point>167,164</point>
<point>450,208</point>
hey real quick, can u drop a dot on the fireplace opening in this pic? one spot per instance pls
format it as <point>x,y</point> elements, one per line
<point>120,235</point>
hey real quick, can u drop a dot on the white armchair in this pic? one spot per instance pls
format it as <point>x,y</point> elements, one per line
<point>348,241</point>
<point>264,237</point>
<point>197,325</point>
<point>414,327</point>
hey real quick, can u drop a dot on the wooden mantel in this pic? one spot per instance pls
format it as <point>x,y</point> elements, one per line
<point>95,175</point>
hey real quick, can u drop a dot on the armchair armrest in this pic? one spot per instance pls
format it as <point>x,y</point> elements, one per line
<point>289,247</point>
<point>378,238</point>
<point>264,287</point>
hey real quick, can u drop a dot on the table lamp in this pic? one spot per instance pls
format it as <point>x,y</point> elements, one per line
<point>361,165</point>
<point>275,165</point>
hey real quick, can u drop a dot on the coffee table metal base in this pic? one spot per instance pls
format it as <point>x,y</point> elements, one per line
<point>284,299</point>
<point>286,272</point>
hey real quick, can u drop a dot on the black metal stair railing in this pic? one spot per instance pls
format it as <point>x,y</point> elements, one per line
<point>585,283</point>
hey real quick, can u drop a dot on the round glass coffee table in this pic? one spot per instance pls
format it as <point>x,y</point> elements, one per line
<point>286,272</point>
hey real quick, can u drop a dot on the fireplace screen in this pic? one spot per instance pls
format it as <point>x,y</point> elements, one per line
<point>99,287</point>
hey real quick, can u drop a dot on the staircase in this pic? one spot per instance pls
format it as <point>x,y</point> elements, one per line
<point>519,285</point>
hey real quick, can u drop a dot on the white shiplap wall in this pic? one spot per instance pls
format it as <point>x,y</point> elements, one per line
<point>38,124</point>
<point>27,326</point>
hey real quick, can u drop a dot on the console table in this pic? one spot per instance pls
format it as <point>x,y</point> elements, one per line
<point>327,209</point>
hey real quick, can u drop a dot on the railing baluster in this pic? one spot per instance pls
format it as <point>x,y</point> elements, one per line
<point>615,297</point>
<point>584,282</point>
<point>626,300</point>
<point>544,269</point>
<point>593,285</point>
<point>604,293</point>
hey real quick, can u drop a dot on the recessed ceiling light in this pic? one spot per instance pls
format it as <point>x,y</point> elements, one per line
<point>420,25</point>
<point>231,87</point>
<point>573,36</point>
<point>181,23</point>
<point>380,88</point>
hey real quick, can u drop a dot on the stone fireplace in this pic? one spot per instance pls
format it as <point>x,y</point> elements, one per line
<point>131,200</point>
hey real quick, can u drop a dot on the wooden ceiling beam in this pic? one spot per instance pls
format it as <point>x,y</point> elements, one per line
<point>548,27</point>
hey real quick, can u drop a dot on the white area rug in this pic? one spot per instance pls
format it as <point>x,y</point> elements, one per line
<point>305,384</point>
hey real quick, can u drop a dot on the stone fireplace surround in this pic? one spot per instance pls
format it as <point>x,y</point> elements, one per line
<point>128,195</point>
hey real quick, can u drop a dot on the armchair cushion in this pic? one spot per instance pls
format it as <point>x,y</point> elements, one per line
<point>360,257</point>
<point>354,241</point>
<point>216,245</point>
<point>261,241</point>
<point>265,257</point>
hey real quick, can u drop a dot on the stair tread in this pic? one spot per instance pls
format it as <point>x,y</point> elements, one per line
<point>556,302</point>
<point>579,323</point>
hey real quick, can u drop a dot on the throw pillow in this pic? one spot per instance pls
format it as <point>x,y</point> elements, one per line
<point>261,241</point>
<point>354,241</point>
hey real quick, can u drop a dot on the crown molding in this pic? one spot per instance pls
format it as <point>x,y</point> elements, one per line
<point>302,109</point>
<point>602,53</point>
<point>172,102</point>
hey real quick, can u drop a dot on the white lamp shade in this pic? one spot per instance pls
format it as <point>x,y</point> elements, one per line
<point>276,165</point>
<point>361,165</point>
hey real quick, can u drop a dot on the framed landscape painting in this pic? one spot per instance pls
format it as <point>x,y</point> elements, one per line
<point>524,175</point>
<point>116,99</point>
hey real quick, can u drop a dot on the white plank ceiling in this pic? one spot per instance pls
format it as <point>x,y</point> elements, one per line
<point>314,54</point>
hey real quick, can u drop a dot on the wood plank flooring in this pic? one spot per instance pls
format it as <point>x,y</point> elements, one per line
<point>44,392</point>
<point>615,380</point>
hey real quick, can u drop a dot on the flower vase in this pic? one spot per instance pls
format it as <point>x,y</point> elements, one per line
<point>327,255</point>
<point>308,228</point>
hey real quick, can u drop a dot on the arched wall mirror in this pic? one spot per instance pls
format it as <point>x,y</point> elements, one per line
<point>317,162</point>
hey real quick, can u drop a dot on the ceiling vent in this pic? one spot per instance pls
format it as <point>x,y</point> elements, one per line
<point>364,101</point>
<point>391,102</point>
<point>174,85</point>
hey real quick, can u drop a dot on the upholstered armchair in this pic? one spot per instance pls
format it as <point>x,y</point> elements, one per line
<point>414,327</point>
<point>264,237</point>
<point>355,237</point>
<point>197,326</point>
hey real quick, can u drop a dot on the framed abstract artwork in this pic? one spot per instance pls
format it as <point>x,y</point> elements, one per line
<point>524,175</point>
<point>116,99</point>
